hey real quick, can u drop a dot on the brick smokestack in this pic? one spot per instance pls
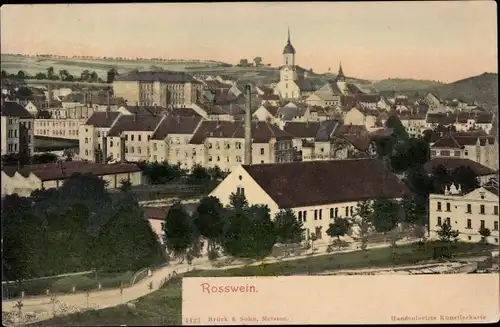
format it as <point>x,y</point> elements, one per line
<point>248,126</point>
<point>49,95</point>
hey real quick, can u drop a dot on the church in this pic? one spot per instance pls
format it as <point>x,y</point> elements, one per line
<point>294,83</point>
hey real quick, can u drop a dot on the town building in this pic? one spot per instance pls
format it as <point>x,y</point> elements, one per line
<point>466,213</point>
<point>481,149</point>
<point>92,135</point>
<point>317,191</point>
<point>26,179</point>
<point>165,88</point>
<point>17,126</point>
<point>484,173</point>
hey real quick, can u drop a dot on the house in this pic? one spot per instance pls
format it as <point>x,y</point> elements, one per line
<point>481,149</point>
<point>129,137</point>
<point>301,131</point>
<point>266,112</point>
<point>363,117</point>
<point>25,180</point>
<point>292,111</point>
<point>170,140</point>
<point>17,129</point>
<point>304,188</point>
<point>327,95</point>
<point>92,135</point>
<point>222,144</point>
<point>62,128</point>
<point>272,99</point>
<point>467,213</point>
<point>414,124</point>
<point>484,173</point>
<point>432,100</point>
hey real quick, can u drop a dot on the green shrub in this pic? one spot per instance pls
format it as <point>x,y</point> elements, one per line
<point>65,284</point>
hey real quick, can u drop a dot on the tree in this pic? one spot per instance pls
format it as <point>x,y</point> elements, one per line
<point>249,233</point>
<point>4,74</point>
<point>179,231</point>
<point>257,61</point>
<point>199,174</point>
<point>363,220</point>
<point>40,76</point>
<point>63,74</point>
<point>93,77</point>
<point>85,76</point>
<point>484,232</point>
<point>338,228</point>
<point>415,213</point>
<point>111,75</point>
<point>385,219</point>
<point>441,178</point>
<point>44,158</point>
<point>447,234</point>
<point>398,130</point>
<point>288,228</point>
<point>21,74</point>
<point>243,62</point>
<point>209,220</point>
<point>466,177</point>
<point>125,185</point>
<point>238,201</point>
<point>50,72</point>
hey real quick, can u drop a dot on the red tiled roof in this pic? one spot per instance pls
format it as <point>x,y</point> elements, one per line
<point>274,97</point>
<point>302,184</point>
<point>52,171</point>
<point>452,163</point>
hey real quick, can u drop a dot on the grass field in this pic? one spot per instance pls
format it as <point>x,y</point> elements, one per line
<point>163,307</point>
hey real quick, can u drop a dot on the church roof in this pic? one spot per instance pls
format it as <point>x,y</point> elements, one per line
<point>289,49</point>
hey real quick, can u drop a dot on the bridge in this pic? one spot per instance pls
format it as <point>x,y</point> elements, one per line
<point>15,81</point>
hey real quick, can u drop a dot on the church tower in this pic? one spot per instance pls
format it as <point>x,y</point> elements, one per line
<point>340,75</point>
<point>289,53</point>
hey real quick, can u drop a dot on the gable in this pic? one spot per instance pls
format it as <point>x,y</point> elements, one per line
<point>254,193</point>
<point>477,193</point>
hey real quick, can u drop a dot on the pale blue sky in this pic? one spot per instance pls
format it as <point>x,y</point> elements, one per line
<point>445,41</point>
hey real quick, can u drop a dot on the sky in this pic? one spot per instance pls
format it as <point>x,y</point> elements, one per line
<point>434,40</point>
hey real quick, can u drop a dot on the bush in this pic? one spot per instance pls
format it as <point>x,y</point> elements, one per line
<point>65,284</point>
<point>213,254</point>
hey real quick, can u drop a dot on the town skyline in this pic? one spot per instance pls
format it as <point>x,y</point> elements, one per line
<point>377,40</point>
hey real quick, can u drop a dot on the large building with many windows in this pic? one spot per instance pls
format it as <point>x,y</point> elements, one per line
<point>467,213</point>
<point>17,126</point>
<point>165,88</point>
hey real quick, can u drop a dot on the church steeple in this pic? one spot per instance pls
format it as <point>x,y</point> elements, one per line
<point>289,49</point>
<point>340,75</point>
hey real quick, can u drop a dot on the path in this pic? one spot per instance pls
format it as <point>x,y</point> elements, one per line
<point>108,298</point>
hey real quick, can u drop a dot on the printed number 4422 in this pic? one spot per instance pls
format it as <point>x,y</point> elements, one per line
<point>192,320</point>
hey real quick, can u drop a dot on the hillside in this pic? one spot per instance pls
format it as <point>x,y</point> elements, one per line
<point>404,84</point>
<point>482,88</point>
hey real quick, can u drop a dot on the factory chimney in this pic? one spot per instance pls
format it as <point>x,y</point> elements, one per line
<point>108,107</point>
<point>248,126</point>
<point>49,95</point>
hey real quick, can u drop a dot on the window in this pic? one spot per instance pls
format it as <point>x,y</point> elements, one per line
<point>126,137</point>
<point>331,213</point>
<point>218,158</point>
<point>448,221</point>
<point>210,158</point>
<point>352,211</point>
<point>496,240</point>
<point>469,223</point>
<point>336,212</point>
<point>132,137</point>
<point>155,158</point>
<point>149,137</point>
<point>457,153</point>
<point>439,206</point>
<point>300,215</point>
<point>138,150</point>
<point>315,214</point>
<point>495,225</point>
<point>469,238</point>
<point>262,161</point>
<point>448,206</point>
<point>439,221</point>
<point>86,152</point>
<point>86,140</point>
<point>347,211</point>
<point>466,152</point>
<point>126,149</point>
<point>132,149</point>
<point>262,151</point>
<point>238,145</point>
<point>162,226</point>
<point>98,134</point>
<point>155,146</point>
<point>139,138</point>
<point>238,158</point>
<point>320,214</point>
<point>481,209</point>
<point>469,208</point>
<point>240,191</point>
<point>304,216</point>
<point>495,210</point>
<point>482,224</point>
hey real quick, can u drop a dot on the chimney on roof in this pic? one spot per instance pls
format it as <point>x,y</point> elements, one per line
<point>248,126</point>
